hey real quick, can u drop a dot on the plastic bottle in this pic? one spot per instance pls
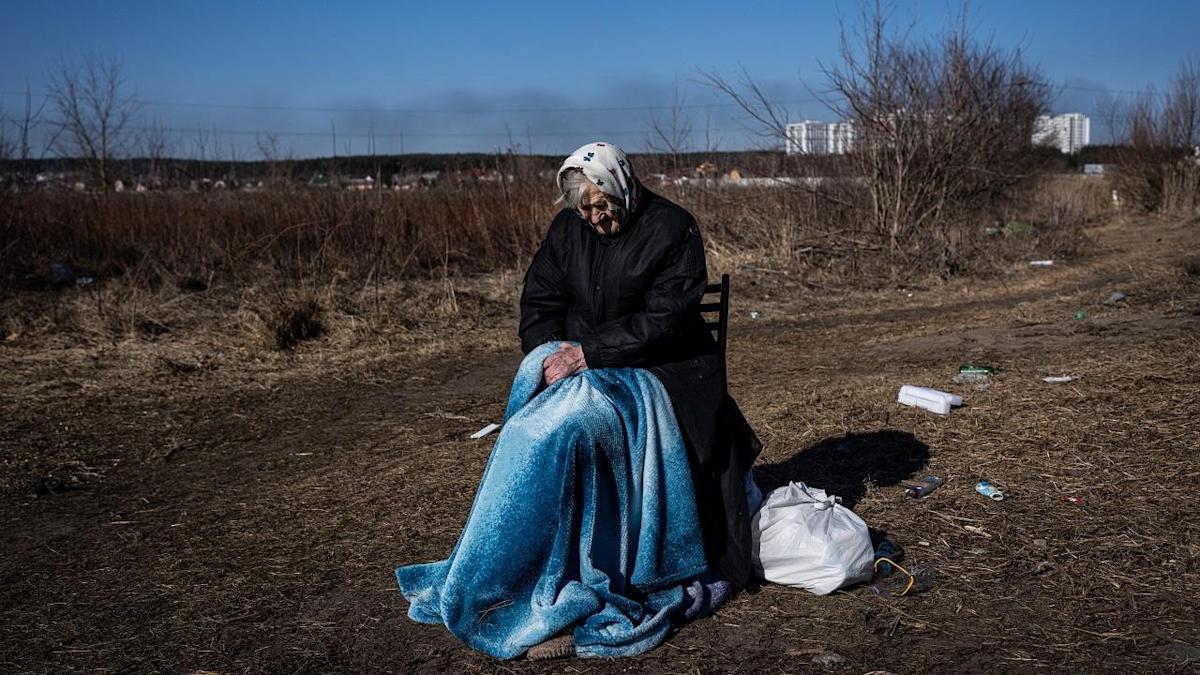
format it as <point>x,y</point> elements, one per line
<point>923,487</point>
<point>988,490</point>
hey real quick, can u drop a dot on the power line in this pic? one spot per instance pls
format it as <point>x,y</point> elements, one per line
<point>428,111</point>
<point>519,110</point>
<point>404,134</point>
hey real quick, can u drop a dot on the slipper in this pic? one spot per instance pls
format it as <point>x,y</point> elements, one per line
<point>554,648</point>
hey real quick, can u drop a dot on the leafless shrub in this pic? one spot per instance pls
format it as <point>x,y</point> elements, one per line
<point>278,166</point>
<point>157,145</point>
<point>767,119</point>
<point>670,134</point>
<point>1181,112</point>
<point>1159,134</point>
<point>943,128</point>
<point>942,135</point>
<point>298,321</point>
<point>18,130</point>
<point>94,111</point>
<point>1181,187</point>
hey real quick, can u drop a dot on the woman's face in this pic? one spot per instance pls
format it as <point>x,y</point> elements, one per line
<point>597,208</point>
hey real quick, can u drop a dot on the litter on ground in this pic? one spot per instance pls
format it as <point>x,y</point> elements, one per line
<point>920,488</point>
<point>486,430</point>
<point>929,399</point>
<point>988,490</point>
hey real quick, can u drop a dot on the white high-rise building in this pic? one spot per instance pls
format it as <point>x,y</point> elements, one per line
<point>811,137</point>
<point>1068,132</point>
<point>841,136</point>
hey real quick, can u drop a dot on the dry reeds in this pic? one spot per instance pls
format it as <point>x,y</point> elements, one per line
<point>293,255</point>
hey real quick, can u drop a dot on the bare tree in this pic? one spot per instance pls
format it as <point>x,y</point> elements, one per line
<point>31,119</point>
<point>1181,108</point>
<point>1158,132</point>
<point>200,144</point>
<point>276,159</point>
<point>1144,150</point>
<point>940,125</point>
<point>95,113</point>
<point>1109,111</point>
<point>156,144</point>
<point>939,129</point>
<point>8,142</point>
<point>234,151</point>
<point>17,132</point>
<point>711,142</point>
<point>767,119</point>
<point>671,135</point>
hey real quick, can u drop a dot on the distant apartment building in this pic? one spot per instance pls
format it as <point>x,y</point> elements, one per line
<point>841,137</point>
<point>811,137</point>
<point>1068,132</point>
<point>807,138</point>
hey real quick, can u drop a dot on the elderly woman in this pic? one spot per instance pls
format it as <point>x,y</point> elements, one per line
<point>622,272</point>
<point>613,502</point>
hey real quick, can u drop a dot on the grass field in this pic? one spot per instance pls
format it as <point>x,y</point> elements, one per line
<point>234,507</point>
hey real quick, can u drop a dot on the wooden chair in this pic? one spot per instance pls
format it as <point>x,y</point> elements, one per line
<point>720,324</point>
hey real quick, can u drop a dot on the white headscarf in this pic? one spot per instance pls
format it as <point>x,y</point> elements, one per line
<point>607,166</point>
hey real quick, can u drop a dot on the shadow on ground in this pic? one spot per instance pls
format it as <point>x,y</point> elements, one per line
<point>845,465</point>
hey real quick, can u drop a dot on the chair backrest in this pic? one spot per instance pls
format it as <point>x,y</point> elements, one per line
<point>718,324</point>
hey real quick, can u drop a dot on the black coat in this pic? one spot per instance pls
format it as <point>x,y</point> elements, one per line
<point>632,299</point>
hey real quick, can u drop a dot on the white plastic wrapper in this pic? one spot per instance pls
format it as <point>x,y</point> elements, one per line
<point>932,400</point>
<point>806,539</point>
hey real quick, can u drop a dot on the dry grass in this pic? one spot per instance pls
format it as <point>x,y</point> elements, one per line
<point>238,507</point>
<point>285,264</point>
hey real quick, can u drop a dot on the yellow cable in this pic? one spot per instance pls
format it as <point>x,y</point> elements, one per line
<point>911,578</point>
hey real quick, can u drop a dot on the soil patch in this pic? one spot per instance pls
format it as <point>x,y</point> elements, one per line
<point>246,514</point>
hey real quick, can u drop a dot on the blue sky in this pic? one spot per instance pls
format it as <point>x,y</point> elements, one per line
<point>467,76</point>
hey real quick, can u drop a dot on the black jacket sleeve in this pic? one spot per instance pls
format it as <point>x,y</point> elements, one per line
<point>672,300</point>
<point>544,299</point>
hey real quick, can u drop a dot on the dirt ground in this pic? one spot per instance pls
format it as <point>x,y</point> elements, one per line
<point>236,509</point>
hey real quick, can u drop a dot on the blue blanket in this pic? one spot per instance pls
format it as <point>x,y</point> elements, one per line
<point>585,517</point>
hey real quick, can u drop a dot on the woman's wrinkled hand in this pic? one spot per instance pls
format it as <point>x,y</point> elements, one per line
<point>565,362</point>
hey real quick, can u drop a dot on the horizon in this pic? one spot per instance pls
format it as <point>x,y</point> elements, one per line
<point>405,81</point>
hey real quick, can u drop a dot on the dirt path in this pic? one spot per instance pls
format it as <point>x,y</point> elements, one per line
<point>251,521</point>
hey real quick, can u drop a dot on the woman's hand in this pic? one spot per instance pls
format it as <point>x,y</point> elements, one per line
<point>565,362</point>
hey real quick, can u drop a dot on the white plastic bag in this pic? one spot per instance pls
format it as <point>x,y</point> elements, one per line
<point>806,539</point>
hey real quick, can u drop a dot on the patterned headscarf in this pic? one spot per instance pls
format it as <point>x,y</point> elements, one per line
<point>607,166</point>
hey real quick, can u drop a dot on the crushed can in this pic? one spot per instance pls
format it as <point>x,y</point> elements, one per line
<point>920,488</point>
<point>988,490</point>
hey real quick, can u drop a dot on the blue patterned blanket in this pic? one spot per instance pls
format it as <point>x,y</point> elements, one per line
<point>585,517</point>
